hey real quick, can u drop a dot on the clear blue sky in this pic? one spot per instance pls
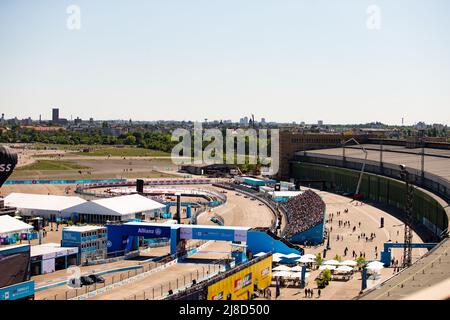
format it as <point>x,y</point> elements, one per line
<point>285,60</point>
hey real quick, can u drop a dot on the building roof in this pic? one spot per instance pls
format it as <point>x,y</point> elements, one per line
<point>41,201</point>
<point>82,228</point>
<point>51,249</point>
<point>9,224</point>
<point>117,206</point>
<point>286,193</point>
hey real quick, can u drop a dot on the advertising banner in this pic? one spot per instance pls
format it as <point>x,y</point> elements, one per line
<point>17,291</point>
<point>48,266</point>
<point>61,253</point>
<point>72,251</point>
<point>240,235</point>
<point>186,233</point>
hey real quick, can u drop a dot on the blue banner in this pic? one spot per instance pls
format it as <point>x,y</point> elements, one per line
<point>17,291</point>
<point>63,181</point>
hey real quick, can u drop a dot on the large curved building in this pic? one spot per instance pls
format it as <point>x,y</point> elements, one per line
<point>338,170</point>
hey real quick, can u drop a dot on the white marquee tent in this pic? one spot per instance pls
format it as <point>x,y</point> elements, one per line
<point>10,225</point>
<point>124,207</point>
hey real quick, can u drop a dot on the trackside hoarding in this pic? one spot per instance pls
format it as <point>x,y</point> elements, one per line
<point>17,291</point>
<point>240,285</point>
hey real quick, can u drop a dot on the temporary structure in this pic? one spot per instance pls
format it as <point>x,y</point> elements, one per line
<point>331,262</point>
<point>281,268</point>
<point>327,267</point>
<point>344,269</point>
<point>348,263</point>
<point>281,274</point>
<point>305,259</point>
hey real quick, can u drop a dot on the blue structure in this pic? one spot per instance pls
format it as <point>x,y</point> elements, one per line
<point>261,241</point>
<point>15,282</point>
<point>91,241</point>
<point>257,182</point>
<point>17,291</point>
<point>386,256</point>
<point>313,235</point>
<point>124,237</point>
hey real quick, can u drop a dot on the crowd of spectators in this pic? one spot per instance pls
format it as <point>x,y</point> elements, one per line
<point>303,211</point>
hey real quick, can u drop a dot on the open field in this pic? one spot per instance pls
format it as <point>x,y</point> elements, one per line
<point>57,165</point>
<point>95,168</point>
<point>122,152</point>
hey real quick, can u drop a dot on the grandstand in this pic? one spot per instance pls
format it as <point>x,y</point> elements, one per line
<point>339,170</point>
<point>304,212</point>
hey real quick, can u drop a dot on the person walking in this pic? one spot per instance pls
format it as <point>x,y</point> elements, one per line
<point>318,293</point>
<point>306,292</point>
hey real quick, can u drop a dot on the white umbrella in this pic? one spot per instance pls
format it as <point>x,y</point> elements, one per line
<point>276,259</point>
<point>331,262</point>
<point>309,256</point>
<point>281,268</point>
<point>304,259</point>
<point>344,269</point>
<point>348,263</point>
<point>375,265</point>
<point>260,254</point>
<point>297,268</point>
<point>279,255</point>
<point>281,274</point>
<point>327,267</point>
<point>295,275</point>
<point>292,255</point>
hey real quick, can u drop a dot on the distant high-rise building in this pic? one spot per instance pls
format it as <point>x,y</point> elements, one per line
<point>320,123</point>
<point>55,115</point>
<point>263,120</point>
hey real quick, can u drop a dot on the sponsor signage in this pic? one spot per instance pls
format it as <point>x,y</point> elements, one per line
<point>17,291</point>
<point>265,272</point>
<point>240,235</point>
<point>72,251</point>
<point>219,296</point>
<point>61,253</point>
<point>247,280</point>
<point>50,255</point>
<point>237,284</point>
<point>186,233</point>
<point>71,236</point>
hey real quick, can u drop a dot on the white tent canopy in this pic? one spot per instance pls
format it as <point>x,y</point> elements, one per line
<point>305,259</point>
<point>281,268</point>
<point>348,263</point>
<point>124,206</point>
<point>260,254</point>
<point>297,269</point>
<point>309,256</point>
<point>331,262</point>
<point>292,255</point>
<point>344,269</point>
<point>375,264</point>
<point>281,274</point>
<point>327,267</point>
<point>10,225</point>
<point>41,204</point>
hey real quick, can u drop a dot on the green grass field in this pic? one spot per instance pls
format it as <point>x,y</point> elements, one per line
<point>123,152</point>
<point>52,165</point>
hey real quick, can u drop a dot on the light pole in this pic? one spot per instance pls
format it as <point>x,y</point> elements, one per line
<point>408,235</point>
<point>363,165</point>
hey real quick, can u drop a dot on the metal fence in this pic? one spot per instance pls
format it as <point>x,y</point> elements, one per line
<point>71,293</point>
<point>182,281</point>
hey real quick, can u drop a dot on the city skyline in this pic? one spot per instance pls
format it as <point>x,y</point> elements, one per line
<point>300,61</point>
